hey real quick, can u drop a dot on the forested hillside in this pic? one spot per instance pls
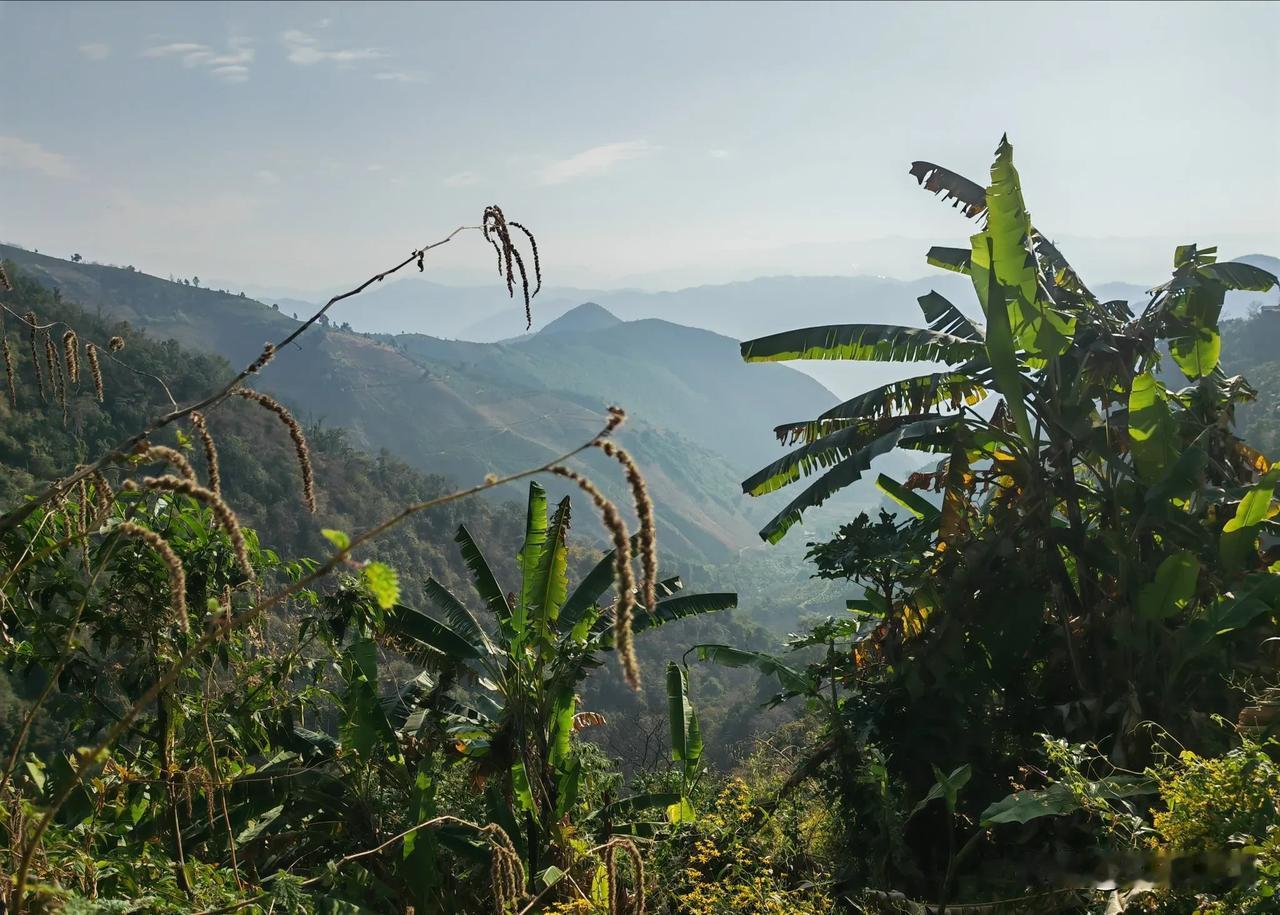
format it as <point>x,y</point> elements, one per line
<point>462,410</point>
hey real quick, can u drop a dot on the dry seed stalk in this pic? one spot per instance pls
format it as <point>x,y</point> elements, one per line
<point>226,517</point>
<point>115,344</point>
<point>177,574</point>
<point>497,232</point>
<point>9,373</point>
<point>104,496</point>
<point>506,870</point>
<point>644,511</point>
<point>268,353</point>
<point>5,284</point>
<point>164,454</point>
<point>95,370</point>
<point>30,318</point>
<point>625,578</point>
<point>299,440</point>
<point>210,451</point>
<point>615,888</point>
<point>71,352</point>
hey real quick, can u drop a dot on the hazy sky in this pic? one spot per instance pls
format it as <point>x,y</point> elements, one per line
<point>299,145</point>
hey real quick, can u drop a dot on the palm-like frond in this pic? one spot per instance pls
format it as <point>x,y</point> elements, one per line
<point>945,317</point>
<point>676,608</point>
<point>846,472</point>
<point>969,196</point>
<point>862,343</point>
<point>915,395</point>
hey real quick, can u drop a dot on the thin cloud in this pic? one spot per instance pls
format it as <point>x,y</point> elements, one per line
<point>23,155</point>
<point>719,153</point>
<point>401,76</point>
<point>305,50</point>
<point>462,179</point>
<point>95,50</point>
<point>595,161</point>
<point>229,66</point>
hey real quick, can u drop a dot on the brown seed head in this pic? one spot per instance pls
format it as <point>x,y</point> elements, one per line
<point>95,370</point>
<point>644,511</point>
<point>623,576</point>
<point>71,352</point>
<point>9,373</point>
<point>268,353</point>
<point>30,319</point>
<point>226,517</point>
<point>167,455</point>
<point>299,440</point>
<point>115,344</point>
<point>210,451</point>
<point>177,574</point>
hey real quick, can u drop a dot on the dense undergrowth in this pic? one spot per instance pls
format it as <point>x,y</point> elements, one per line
<point>1054,689</point>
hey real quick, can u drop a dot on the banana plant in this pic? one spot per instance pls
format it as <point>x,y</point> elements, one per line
<point>1086,535</point>
<point>503,692</point>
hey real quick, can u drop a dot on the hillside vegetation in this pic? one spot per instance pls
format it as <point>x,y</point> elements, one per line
<point>1052,686</point>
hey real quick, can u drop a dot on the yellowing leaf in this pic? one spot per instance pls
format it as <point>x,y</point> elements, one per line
<point>337,538</point>
<point>383,583</point>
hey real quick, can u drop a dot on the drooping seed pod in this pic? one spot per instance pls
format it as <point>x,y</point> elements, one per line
<point>623,576</point>
<point>226,517</point>
<point>644,511</point>
<point>210,451</point>
<point>30,319</point>
<point>95,370</point>
<point>165,454</point>
<point>115,344</point>
<point>300,448</point>
<point>71,352</point>
<point>177,574</point>
<point>9,373</point>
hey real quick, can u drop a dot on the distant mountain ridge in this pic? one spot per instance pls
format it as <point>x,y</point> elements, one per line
<point>700,418</point>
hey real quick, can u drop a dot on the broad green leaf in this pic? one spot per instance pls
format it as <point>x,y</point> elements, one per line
<point>383,583</point>
<point>553,578</point>
<point>728,656</point>
<point>945,317</point>
<point>869,411</point>
<point>682,812</point>
<point>1036,325</point>
<point>591,588</point>
<point>1240,535</point>
<point>530,558</point>
<point>455,611</point>
<point>563,705</point>
<point>944,787</point>
<point>1059,800</point>
<point>434,634</point>
<point>1000,346</point>
<point>1235,275</point>
<point>637,802</point>
<point>675,608</point>
<point>917,505</point>
<point>1173,588</point>
<point>862,343</point>
<point>846,472</point>
<point>1153,434</point>
<point>679,709</point>
<point>1192,328</point>
<point>825,452</point>
<point>954,259</point>
<point>520,788</point>
<point>258,825</point>
<point>482,575</point>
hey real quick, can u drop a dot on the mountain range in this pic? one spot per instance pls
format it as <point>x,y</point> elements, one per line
<point>700,418</point>
<point>507,399</point>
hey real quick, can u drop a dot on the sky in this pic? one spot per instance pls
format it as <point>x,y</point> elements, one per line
<point>293,147</point>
